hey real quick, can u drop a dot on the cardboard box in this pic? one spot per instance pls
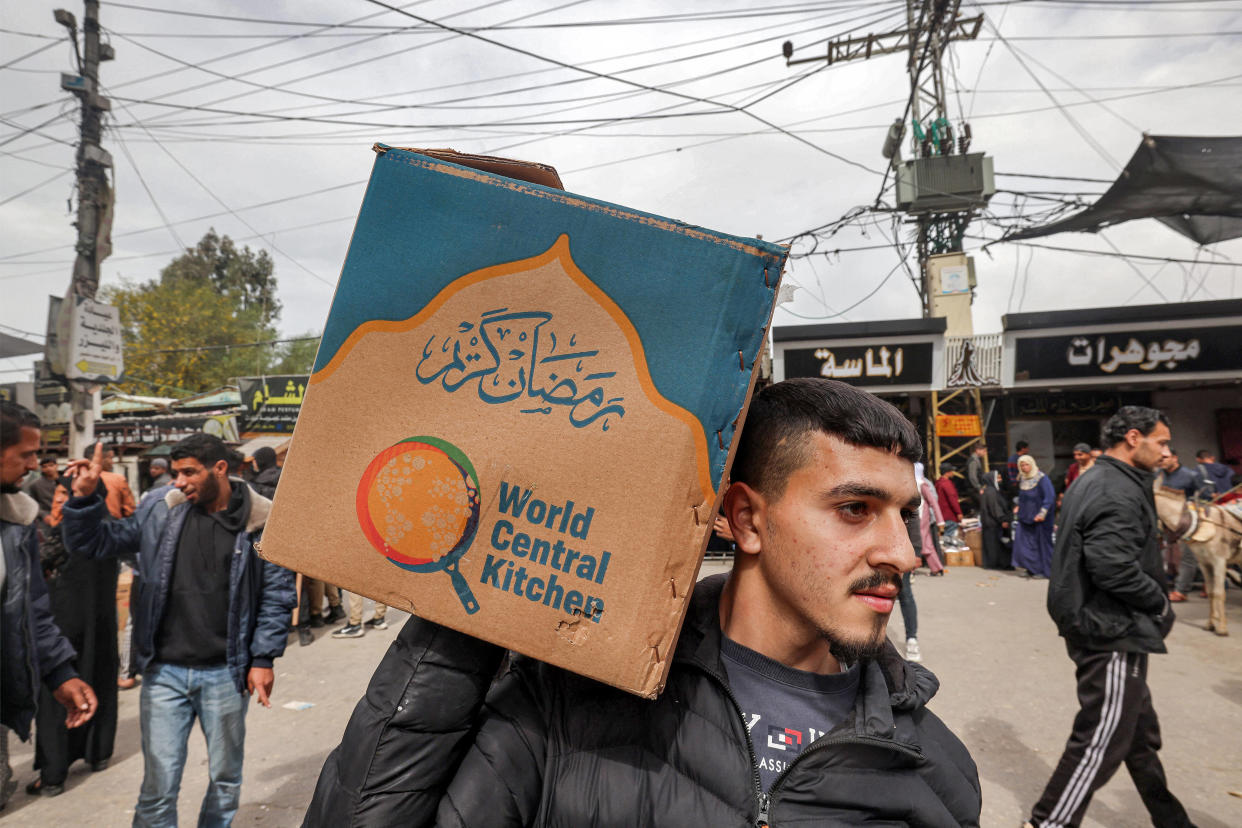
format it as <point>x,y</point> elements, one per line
<point>521,412</point>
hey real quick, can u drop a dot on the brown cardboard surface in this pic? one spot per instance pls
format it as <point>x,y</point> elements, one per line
<point>575,545</point>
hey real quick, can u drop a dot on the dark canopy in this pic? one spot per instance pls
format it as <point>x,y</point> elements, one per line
<point>1193,185</point>
<point>15,346</point>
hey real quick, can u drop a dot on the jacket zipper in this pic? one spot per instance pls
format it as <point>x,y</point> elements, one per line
<point>765,798</point>
<point>765,801</point>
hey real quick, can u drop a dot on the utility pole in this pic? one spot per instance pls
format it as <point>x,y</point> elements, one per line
<point>95,197</point>
<point>939,188</point>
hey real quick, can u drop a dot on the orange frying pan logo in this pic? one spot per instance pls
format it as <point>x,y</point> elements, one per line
<point>418,504</point>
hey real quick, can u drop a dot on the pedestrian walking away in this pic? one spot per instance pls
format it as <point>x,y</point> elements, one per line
<point>33,651</point>
<point>905,598</point>
<point>1107,597</point>
<point>930,522</point>
<point>210,617</point>
<point>1035,519</point>
<point>785,702</point>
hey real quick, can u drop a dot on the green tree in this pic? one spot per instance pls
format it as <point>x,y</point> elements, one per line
<point>296,357</point>
<point>178,329</point>
<point>244,276</point>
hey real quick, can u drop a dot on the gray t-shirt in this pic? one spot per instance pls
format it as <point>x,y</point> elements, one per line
<point>784,709</point>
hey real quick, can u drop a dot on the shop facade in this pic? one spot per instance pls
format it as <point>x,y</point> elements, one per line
<point>1050,378</point>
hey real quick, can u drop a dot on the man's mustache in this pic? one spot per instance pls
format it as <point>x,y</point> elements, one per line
<point>876,579</point>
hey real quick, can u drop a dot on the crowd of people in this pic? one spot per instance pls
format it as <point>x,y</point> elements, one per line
<point>206,616</point>
<point>828,512</point>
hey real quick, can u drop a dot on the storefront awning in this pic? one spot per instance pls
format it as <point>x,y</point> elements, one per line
<point>279,442</point>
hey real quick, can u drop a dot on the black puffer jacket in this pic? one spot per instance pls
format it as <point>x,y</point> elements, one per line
<point>1107,586</point>
<point>553,749</point>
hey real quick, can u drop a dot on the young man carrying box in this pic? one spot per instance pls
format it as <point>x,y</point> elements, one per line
<point>785,702</point>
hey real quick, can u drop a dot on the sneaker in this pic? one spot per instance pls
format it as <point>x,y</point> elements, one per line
<point>912,650</point>
<point>377,624</point>
<point>349,631</point>
<point>334,614</point>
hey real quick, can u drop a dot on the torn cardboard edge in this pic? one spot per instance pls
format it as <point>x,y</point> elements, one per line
<point>531,172</point>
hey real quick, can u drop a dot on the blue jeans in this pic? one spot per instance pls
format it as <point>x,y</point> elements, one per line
<point>172,697</point>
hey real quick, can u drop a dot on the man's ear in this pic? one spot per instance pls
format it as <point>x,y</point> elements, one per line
<point>745,510</point>
<point>221,467</point>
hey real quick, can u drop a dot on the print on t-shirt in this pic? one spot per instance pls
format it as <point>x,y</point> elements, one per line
<point>794,707</point>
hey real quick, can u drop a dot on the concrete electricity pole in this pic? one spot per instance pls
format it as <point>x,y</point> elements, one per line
<point>95,198</point>
<point>939,188</point>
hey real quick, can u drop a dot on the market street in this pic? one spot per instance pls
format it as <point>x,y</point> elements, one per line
<point>1006,689</point>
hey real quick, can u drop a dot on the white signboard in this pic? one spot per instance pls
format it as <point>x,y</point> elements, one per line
<point>954,279</point>
<point>94,351</point>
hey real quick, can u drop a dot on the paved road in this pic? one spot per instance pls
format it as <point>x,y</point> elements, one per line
<point>1006,689</point>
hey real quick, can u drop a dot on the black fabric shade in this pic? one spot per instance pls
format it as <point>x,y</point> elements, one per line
<point>1193,185</point>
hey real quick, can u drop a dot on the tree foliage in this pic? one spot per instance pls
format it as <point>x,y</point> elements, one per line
<point>243,276</point>
<point>175,327</point>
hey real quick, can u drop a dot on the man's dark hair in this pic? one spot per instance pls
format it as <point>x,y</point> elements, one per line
<point>89,454</point>
<point>13,418</point>
<point>264,457</point>
<point>773,444</point>
<point>236,461</point>
<point>47,460</point>
<point>1129,417</point>
<point>1172,451</point>
<point>1202,454</point>
<point>205,448</point>
<point>1022,444</point>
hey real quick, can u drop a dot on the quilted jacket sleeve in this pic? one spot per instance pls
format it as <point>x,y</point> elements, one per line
<point>500,781</point>
<point>1111,540</point>
<point>271,623</point>
<point>88,533</point>
<point>407,735</point>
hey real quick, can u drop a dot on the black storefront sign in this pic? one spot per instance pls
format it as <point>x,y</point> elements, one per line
<point>271,403</point>
<point>1137,353</point>
<point>864,365</point>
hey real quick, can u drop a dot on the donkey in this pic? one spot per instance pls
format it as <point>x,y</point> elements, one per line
<point>1213,534</point>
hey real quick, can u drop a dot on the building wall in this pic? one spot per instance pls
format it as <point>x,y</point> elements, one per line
<point>1193,415</point>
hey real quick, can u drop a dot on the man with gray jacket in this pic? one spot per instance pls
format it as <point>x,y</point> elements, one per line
<point>210,616</point>
<point>1107,597</point>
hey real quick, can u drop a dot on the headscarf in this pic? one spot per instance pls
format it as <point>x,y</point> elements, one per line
<point>1025,480</point>
<point>992,479</point>
<point>918,474</point>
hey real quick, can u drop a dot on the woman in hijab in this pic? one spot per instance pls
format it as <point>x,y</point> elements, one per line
<point>994,516</point>
<point>1032,547</point>
<point>929,530</point>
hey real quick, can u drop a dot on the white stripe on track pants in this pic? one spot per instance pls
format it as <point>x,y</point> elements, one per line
<point>1115,723</point>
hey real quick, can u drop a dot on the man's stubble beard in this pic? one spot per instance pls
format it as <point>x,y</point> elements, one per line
<point>208,492</point>
<point>851,651</point>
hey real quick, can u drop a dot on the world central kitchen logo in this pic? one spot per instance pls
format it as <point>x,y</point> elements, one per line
<point>418,504</point>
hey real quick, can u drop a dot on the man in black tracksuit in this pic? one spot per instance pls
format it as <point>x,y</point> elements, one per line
<point>1107,596</point>
<point>785,704</point>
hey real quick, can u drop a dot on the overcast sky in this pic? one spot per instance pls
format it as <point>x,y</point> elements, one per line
<point>213,117</point>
